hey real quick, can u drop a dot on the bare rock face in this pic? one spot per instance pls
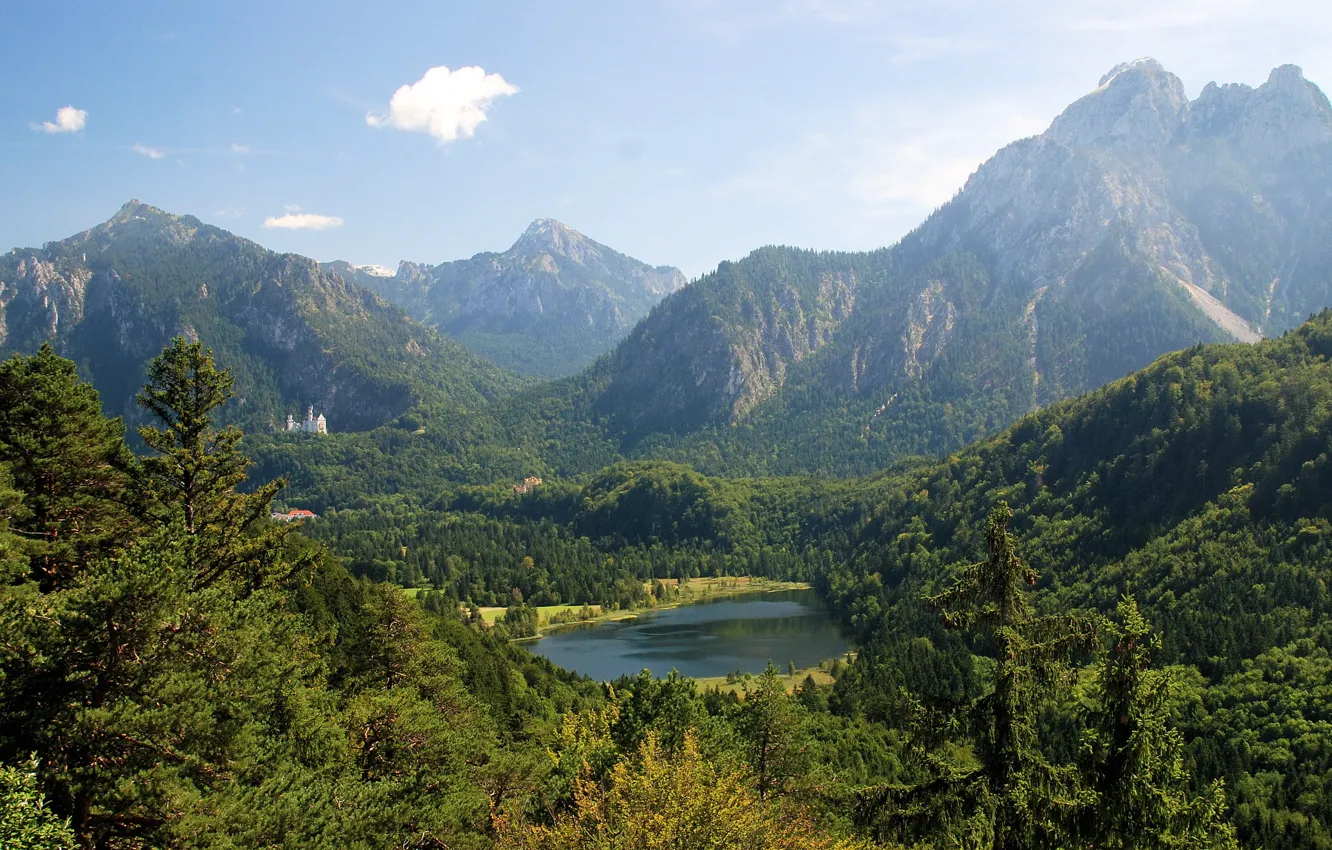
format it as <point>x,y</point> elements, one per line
<point>714,354</point>
<point>1132,160</point>
<point>554,292</point>
<point>1138,223</point>
<point>1284,115</point>
<point>1136,107</point>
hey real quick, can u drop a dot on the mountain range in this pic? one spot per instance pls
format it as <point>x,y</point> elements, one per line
<point>548,306</point>
<point>1139,222</point>
<point>293,335</point>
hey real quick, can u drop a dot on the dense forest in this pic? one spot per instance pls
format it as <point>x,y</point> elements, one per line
<point>1196,487</point>
<point>1146,607</point>
<point>177,670</point>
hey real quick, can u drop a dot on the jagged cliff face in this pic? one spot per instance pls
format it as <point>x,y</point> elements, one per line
<point>1140,222</point>
<point>716,351</point>
<point>549,305</point>
<point>110,298</point>
<point>1222,197</point>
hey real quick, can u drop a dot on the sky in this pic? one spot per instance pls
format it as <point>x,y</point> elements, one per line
<point>680,132</point>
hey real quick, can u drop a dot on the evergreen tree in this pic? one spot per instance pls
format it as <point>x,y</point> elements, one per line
<point>1015,798</point>
<point>13,564</point>
<point>774,727</point>
<point>68,460</point>
<point>197,468</point>
<point>1136,758</point>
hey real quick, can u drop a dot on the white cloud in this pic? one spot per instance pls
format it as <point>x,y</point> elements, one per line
<point>230,212</point>
<point>240,149</point>
<point>446,104</point>
<point>68,120</point>
<point>151,153</point>
<point>302,221</point>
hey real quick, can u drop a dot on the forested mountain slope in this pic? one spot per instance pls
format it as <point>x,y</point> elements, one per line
<point>293,335</point>
<point>1201,486</point>
<point>549,305</point>
<point>1140,222</point>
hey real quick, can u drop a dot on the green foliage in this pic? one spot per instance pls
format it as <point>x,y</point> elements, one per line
<point>1014,795</point>
<point>69,462</point>
<point>234,712</point>
<point>1199,486</point>
<point>774,728</point>
<point>26,822</point>
<point>206,680</point>
<point>197,467</point>
<point>1138,771</point>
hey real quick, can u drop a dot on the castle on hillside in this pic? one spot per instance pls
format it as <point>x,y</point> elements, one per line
<point>529,484</point>
<point>312,424</point>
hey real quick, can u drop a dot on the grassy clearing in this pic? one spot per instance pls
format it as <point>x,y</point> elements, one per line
<point>544,612</point>
<point>721,683</point>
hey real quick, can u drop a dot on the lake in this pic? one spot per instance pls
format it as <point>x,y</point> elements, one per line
<point>711,638</point>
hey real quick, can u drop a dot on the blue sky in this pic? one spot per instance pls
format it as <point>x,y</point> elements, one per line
<point>681,132</point>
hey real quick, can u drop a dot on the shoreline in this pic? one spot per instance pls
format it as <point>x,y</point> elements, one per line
<point>711,589</point>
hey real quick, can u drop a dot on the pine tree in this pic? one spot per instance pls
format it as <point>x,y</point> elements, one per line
<point>69,462</point>
<point>1015,798</point>
<point>1135,756</point>
<point>198,466</point>
<point>13,563</point>
<point>774,726</point>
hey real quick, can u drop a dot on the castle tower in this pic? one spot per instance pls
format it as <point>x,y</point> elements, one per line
<point>291,422</point>
<point>321,424</point>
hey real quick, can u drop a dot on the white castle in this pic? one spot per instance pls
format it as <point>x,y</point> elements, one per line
<point>312,424</point>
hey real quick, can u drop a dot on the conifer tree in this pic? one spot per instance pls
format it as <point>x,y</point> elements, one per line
<point>1135,756</point>
<point>198,466</point>
<point>774,725</point>
<point>1016,798</point>
<point>69,462</point>
<point>13,564</point>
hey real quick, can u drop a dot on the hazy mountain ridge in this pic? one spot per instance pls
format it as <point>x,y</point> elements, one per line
<point>549,305</point>
<point>1137,224</point>
<point>111,297</point>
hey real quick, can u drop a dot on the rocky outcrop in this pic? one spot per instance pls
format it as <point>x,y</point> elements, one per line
<point>1138,223</point>
<point>554,293</point>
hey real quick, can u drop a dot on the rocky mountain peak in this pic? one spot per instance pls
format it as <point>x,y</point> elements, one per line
<point>134,208</point>
<point>1284,114</point>
<point>550,304</point>
<point>548,236</point>
<point>1144,65</point>
<point>1137,105</point>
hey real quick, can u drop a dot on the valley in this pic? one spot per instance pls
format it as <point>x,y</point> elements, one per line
<point>1049,477</point>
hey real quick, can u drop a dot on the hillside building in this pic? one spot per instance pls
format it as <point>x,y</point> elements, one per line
<point>529,484</point>
<point>312,424</point>
<point>292,516</point>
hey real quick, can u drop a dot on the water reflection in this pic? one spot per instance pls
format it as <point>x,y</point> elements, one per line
<point>706,639</point>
